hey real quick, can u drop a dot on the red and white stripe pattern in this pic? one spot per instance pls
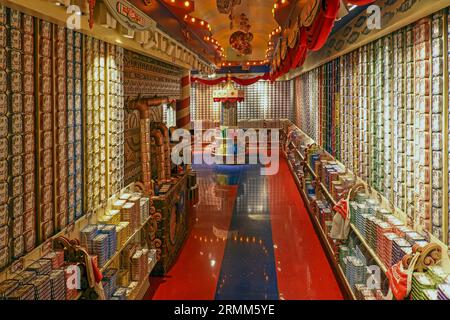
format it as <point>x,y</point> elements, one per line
<point>183,105</point>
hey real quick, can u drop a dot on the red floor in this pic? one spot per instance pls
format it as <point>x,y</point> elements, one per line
<point>302,269</point>
<point>196,273</point>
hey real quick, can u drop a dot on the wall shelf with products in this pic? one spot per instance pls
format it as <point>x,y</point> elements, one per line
<point>369,242</point>
<point>345,286</point>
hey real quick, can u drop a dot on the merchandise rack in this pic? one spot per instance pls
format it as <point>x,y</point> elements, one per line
<point>73,231</point>
<point>445,262</point>
<point>345,286</point>
<point>334,202</point>
<point>129,240</point>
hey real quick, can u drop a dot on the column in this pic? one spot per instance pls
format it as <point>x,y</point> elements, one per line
<point>184,104</point>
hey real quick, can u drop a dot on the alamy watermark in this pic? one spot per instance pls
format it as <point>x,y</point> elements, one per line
<point>374,18</point>
<point>374,279</point>
<point>73,21</point>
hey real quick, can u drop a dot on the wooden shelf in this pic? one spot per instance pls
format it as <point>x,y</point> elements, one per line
<point>140,292</point>
<point>326,193</point>
<point>369,249</point>
<point>356,232</point>
<point>119,251</point>
<point>342,280</point>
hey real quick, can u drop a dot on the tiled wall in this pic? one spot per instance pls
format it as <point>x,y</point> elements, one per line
<point>263,100</point>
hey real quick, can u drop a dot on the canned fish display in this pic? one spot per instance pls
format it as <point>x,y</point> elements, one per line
<point>116,105</point>
<point>390,121</point>
<point>436,121</point>
<point>364,131</point>
<point>46,120</point>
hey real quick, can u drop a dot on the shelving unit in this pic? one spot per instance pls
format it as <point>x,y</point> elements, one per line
<point>24,262</point>
<point>345,286</point>
<point>320,187</point>
<point>129,240</point>
<point>72,231</point>
<point>369,249</point>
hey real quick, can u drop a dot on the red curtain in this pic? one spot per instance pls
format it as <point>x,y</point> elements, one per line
<point>312,38</point>
<point>240,81</point>
<point>209,82</point>
<point>360,2</point>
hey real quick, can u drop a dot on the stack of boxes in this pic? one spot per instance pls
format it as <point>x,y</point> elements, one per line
<point>44,279</point>
<point>437,120</point>
<point>46,142</point>
<point>421,136</point>
<point>116,118</point>
<point>109,282</point>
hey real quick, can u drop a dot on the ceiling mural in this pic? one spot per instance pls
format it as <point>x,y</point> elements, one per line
<point>247,33</point>
<point>229,20</point>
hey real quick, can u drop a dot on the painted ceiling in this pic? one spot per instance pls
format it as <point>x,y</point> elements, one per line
<point>260,19</point>
<point>240,36</point>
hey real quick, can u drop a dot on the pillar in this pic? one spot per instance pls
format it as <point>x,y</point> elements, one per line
<point>184,104</point>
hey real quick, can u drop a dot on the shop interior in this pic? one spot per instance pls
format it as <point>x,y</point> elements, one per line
<point>224,150</point>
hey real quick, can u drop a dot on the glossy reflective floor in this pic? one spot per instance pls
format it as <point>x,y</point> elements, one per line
<point>251,239</point>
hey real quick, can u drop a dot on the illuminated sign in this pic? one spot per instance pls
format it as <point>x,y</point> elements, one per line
<point>129,16</point>
<point>130,13</point>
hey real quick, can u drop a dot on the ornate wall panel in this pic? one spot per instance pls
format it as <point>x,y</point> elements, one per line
<point>145,77</point>
<point>148,77</point>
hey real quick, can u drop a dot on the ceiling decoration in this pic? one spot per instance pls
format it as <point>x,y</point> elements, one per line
<point>244,65</point>
<point>195,22</point>
<point>306,27</point>
<point>278,33</point>
<point>241,40</point>
<point>226,6</point>
<point>175,18</point>
<point>180,7</point>
<point>223,14</point>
